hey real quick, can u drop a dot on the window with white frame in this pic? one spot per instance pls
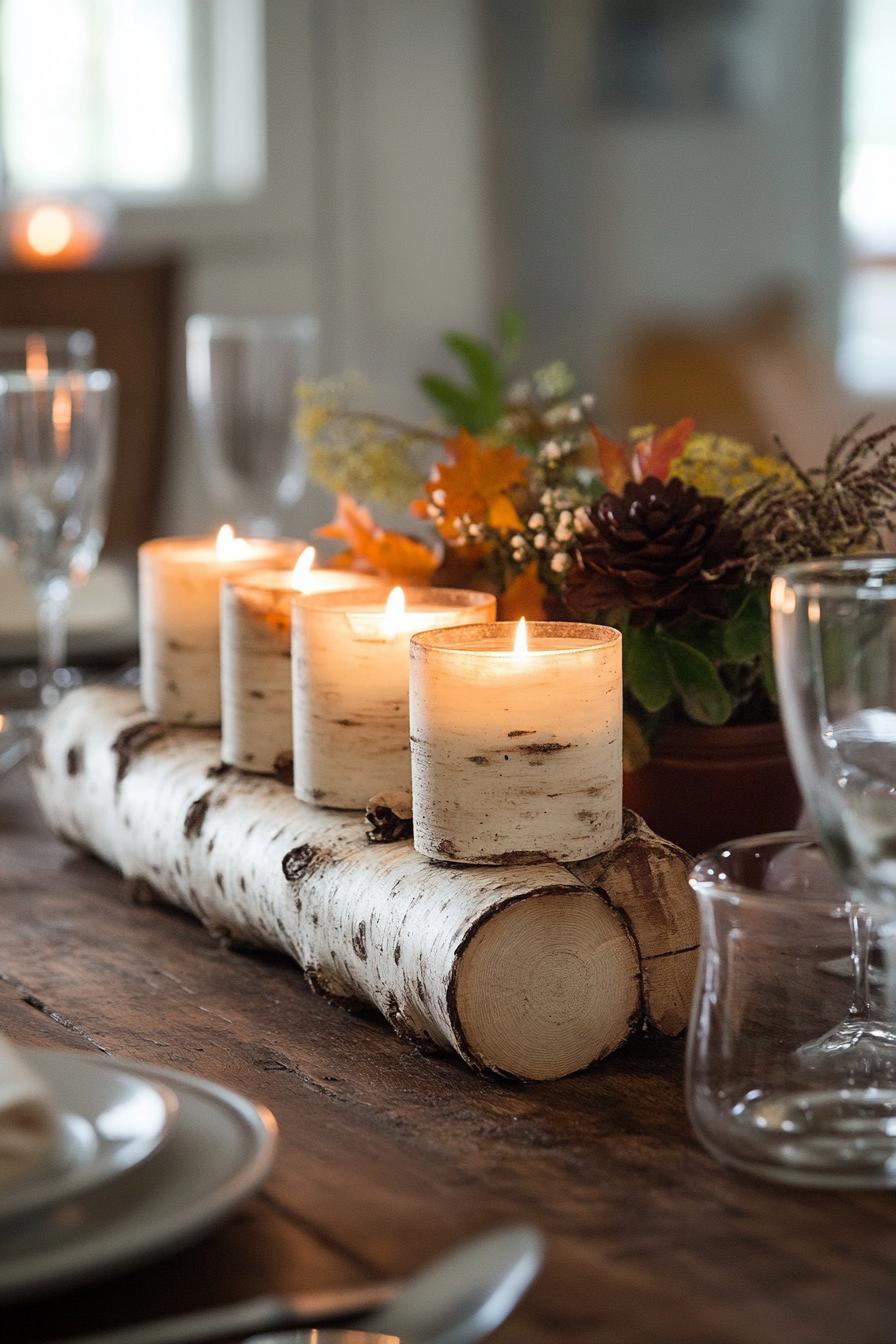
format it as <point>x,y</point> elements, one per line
<point>867,353</point>
<point>140,99</point>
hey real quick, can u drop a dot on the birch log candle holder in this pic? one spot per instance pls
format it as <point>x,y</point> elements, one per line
<point>256,682</point>
<point>180,600</point>
<point>350,686</point>
<point>534,971</point>
<point>516,742</point>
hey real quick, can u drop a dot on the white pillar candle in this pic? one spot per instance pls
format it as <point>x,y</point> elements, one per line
<point>256,685</point>
<point>180,581</point>
<point>350,686</point>
<point>516,744</point>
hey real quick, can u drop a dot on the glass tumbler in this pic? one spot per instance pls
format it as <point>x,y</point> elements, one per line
<point>243,376</point>
<point>775,972</point>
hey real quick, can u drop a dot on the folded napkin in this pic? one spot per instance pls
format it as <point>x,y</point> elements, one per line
<point>26,1115</point>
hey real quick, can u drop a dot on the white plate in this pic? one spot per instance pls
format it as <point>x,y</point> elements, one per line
<point>108,1121</point>
<point>102,619</point>
<point>219,1151</point>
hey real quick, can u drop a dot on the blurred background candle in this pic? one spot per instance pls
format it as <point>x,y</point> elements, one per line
<point>179,591</point>
<point>256,686</point>
<point>350,686</point>
<point>57,233</point>
<point>516,741</point>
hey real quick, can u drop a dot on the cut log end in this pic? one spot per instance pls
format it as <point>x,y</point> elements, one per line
<point>547,986</point>
<point>533,971</point>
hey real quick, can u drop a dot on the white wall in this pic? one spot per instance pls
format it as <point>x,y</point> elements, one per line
<point>432,159</point>
<point>616,217</point>
<point>373,214</point>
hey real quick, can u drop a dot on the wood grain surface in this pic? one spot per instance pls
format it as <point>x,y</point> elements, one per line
<point>388,1157</point>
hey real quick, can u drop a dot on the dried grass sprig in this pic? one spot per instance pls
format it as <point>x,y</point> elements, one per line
<point>848,504</point>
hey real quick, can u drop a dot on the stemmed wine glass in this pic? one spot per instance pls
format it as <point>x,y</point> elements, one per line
<point>56,434</point>
<point>834,628</point>
<point>30,350</point>
<point>243,375</point>
<point>36,351</point>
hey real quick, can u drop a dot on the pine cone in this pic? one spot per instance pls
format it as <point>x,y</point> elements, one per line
<point>390,817</point>
<point>656,547</point>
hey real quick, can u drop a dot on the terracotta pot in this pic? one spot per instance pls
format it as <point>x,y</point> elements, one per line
<point>703,786</point>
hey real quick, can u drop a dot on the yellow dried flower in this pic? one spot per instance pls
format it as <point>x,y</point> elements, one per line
<point>354,454</point>
<point>718,465</point>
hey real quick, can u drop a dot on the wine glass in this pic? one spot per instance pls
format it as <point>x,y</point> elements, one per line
<point>36,350</point>
<point>56,434</point>
<point>39,349</point>
<point>243,375</point>
<point>834,629</point>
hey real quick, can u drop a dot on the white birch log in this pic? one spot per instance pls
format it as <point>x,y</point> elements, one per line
<point>534,971</point>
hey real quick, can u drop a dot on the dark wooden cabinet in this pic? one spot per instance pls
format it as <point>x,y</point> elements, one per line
<point>128,305</point>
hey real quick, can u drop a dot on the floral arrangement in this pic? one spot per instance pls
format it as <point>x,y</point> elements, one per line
<point>669,534</point>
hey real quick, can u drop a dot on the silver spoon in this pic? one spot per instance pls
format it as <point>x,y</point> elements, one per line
<point>460,1298</point>
<point>465,1294</point>
<point>329,1335</point>
<point>457,1299</point>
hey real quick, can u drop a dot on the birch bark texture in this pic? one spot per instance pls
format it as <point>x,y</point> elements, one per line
<point>180,601</point>
<point>256,680</point>
<point>533,971</point>
<point>516,757</point>
<point>350,666</point>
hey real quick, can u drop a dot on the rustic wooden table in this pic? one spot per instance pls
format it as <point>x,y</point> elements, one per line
<point>387,1157</point>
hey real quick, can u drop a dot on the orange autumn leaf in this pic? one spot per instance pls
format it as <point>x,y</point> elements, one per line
<point>655,454</point>
<point>612,460</point>
<point>503,516</point>
<point>474,483</point>
<point>523,596</point>
<point>371,547</point>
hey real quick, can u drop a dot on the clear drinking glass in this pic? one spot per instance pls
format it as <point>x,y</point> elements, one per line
<point>56,435</point>
<point>242,381</point>
<point>834,628</point>
<point>775,949</point>
<point>39,349</point>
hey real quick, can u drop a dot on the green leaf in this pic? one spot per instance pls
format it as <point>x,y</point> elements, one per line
<point>747,632</point>
<point>459,405</point>
<point>635,751</point>
<point>707,637</point>
<point>618,617</point>
<point>698,683</point>
<point>646,671</point>
<point>511,330</point>
<point>767,664</point>
<point>480,362</point>
<point>592,486</point>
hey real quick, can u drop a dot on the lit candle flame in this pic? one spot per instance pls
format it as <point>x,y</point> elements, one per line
<point>394,611</point>
<point>521,640</point>
<point>301,570</point>
<point>2,723</point>
<point>37,365</point>
<point>228,546</point>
